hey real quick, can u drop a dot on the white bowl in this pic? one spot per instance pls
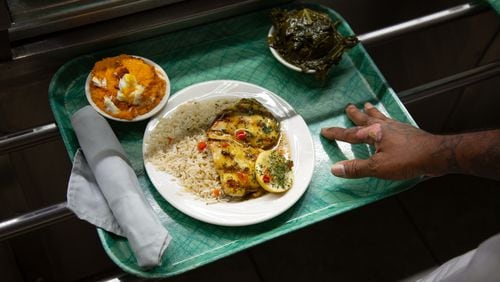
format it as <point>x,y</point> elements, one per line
<point>280,59</point>
<point>161,73</point>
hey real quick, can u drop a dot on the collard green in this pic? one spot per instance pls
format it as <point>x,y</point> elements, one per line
<point>308,39</point>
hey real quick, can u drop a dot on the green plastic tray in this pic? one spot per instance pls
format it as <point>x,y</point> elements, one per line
<point>495,4</point>
<point>236,49</point>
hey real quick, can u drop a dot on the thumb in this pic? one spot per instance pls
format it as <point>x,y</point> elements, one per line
<point>352,169</point>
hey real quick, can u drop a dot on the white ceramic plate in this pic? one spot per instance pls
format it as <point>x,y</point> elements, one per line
<point>245,212</point>
<point>280,59</point>
<point>149,114</point>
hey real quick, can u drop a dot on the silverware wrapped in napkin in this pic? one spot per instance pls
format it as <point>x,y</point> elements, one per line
<point>103,189</point>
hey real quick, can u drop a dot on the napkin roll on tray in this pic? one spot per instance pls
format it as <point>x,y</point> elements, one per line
<point>103,190</point>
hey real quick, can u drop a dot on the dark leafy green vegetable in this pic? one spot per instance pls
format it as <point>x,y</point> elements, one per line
<point>308,39</point>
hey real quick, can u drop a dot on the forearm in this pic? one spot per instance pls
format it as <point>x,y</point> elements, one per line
<point>476,153</point>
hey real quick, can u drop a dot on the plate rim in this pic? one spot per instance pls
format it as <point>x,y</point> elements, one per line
<point>307,140</point>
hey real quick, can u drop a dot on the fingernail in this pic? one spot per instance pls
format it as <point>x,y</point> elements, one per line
<point>322,131</point>
<point>368,105</point>
<point>338,170</point>
<point>348,105</point>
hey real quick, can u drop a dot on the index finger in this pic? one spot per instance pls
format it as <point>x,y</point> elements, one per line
<point>343,134</point>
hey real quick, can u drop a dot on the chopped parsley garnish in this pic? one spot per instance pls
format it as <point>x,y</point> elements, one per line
<point>279,167</point>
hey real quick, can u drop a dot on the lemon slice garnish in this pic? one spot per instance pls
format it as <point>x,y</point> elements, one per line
<point>274,171</point>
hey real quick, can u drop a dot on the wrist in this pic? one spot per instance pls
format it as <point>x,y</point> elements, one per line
<point>475,153</point>
<point>441,158</point>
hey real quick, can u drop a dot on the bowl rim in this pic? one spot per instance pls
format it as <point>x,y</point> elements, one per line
<point>160,71</point>
<point>281,59</point>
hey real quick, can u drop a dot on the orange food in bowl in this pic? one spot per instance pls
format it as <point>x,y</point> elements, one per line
<point>125,86</point>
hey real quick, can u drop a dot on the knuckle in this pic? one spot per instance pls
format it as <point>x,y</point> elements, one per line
<point>374,166</point>
<point>351,168</point>
<point>357,169</point>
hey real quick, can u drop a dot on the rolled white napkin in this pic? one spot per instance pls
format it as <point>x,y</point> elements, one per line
<point>103,189</point>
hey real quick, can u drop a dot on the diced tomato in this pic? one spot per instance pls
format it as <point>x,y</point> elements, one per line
<point>240,134</point>
<point>243,177</point>
<point>224,144</point>
<point>266,178</point>
<point>216,192</point>
<point>202,145</point>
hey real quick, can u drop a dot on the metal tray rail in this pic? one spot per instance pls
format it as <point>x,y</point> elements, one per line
<point>46,133</point>
<point>58,212</point>
<point>38,135</point>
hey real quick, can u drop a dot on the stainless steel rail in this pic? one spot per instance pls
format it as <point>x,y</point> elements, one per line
<point>450,83</point>
<point>34,220</point>
<point>35,19</point>
<point>27,138</point>
<point>38,135</point>
<point>55,213</point>
<point>140,25</point>
<point>394,31</point>
<point>58,212</point>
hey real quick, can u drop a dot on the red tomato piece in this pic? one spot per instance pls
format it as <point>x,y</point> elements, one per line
<point>240,134</point>
<point>202,145</point>
<point>266,178</point>
<point>216,192</point>
<point>242,176</point>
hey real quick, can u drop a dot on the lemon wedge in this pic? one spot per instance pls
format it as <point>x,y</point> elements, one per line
<point>274,171</point>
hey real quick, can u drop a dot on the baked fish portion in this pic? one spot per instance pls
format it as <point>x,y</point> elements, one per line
<point>247,122</point>
<point>235,164</point>
<point>235,139</point>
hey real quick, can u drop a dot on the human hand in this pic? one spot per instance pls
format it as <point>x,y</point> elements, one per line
<point>402,151</point>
